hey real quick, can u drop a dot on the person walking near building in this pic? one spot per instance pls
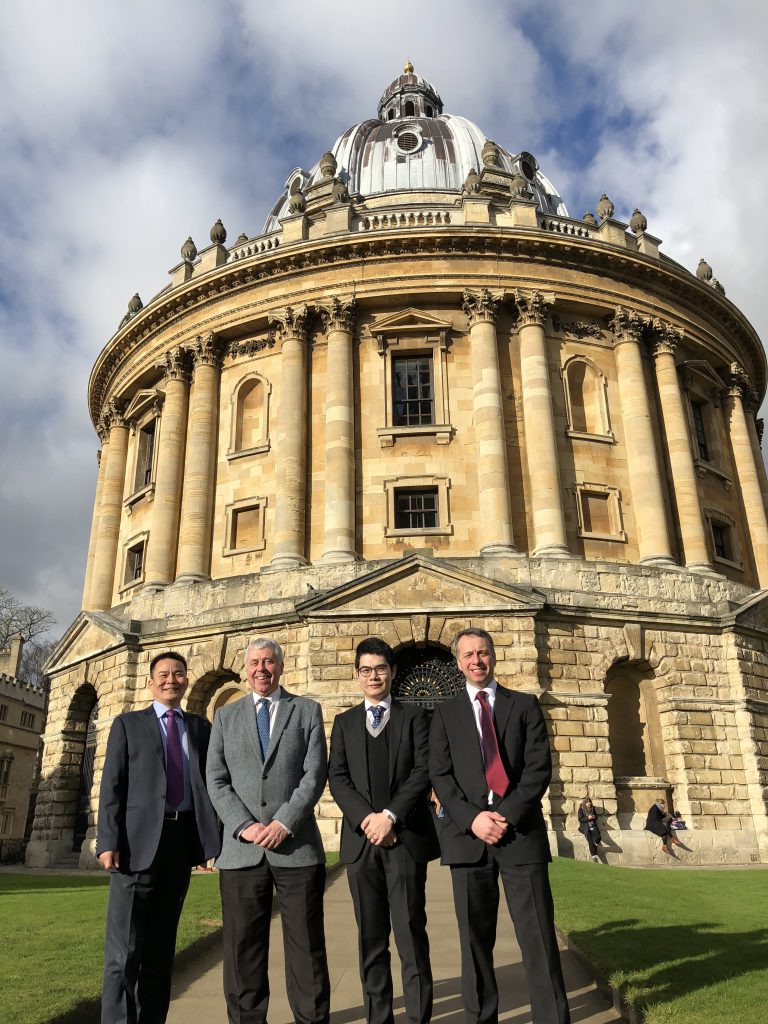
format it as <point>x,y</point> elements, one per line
<point>490,765</point>
<point>155,822</point>
<point>378,775</point>
<point>267,767</point>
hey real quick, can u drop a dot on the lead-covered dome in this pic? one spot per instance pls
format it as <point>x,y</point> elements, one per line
<point>412,146</point>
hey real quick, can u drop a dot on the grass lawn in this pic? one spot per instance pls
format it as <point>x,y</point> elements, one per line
<point>689,947</point>
<point>53,938</point>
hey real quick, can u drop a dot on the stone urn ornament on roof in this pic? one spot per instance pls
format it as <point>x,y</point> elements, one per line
<point>189,251</point>
<point>637,222</point>
<point>605,208</point>
<point>218,233</point>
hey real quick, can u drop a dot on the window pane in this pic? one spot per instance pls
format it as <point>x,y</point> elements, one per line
<point>416,509</point>
<point>412,393</point>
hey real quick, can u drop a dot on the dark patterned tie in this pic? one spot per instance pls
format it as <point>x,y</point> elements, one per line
<point>262,724</point>
<point>495,774</point>
<point>377,713</point>
<point>174,766</point>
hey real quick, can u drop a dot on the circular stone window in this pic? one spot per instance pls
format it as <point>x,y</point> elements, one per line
<point>408,141</point>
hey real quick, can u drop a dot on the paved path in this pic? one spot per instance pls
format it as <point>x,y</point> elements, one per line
<point>198,999</point>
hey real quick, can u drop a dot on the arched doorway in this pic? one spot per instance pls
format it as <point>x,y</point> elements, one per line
<point>636,742</point>
<point>83,807</point>
<point>426,676</point>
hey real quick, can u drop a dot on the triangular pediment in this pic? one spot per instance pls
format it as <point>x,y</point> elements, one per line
<point>420,585</point>
<point>90,634</point>
<point>142,401</point>
<point>410,320</point>
<point>753,613</point>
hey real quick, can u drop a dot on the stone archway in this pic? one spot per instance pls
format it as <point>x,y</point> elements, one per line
<point>212,691</point>
<point>426,676</point>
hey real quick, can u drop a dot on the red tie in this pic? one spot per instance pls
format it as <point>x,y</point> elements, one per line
<point>495,774</point>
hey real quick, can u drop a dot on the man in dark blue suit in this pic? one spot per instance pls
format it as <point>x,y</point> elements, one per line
<point>155,822</point>
<point>490,764</point>
<point>379,778</point>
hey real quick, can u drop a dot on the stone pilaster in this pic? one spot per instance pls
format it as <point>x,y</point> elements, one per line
<point>291,461</point>
<point>199,471</point>
<point>164,529</point>
<point>101,461</point>
<point>684,481</point>
<point>751,405</point>
<point>339,318</point>
<point>496,534</point>
<point>114,456</point>
<point>642,460</point>
<point>747,472</point>
<point>546,500</point>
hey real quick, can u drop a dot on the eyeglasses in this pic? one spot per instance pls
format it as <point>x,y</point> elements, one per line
<point>377,670</point>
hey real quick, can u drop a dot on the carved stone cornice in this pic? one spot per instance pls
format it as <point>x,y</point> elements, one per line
<point>576,328</point>
<point>338,314</point>
<point>291,323</point>
<point>175,365</point>
<point>252,346</point>
<point>627,325</point>
<point>665,338</point>
<point>532,308</point>
<point>481,307</point>
<point>207,350</point>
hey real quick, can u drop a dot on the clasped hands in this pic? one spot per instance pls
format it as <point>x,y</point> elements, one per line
<point>490,826</point>
<point>379,829</point>
<point>267,836</point>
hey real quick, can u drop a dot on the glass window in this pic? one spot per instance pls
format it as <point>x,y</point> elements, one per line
<point>412,391</point>
<point>416,509</point>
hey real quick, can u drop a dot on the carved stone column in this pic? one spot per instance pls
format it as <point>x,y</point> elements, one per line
<point>495,513</point>
<point>549,537</point>
<point>291,454</point>
<point>339,535</point>
<point>746,471</point>
<point>101,460</point>
<point>200,467</point>
<point>685,488</point>
<point>114,455</point>
<point>642,460</point>
<point>752,404</point>
<point>164,529</point>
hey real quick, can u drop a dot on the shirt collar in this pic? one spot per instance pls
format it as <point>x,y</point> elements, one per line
<point>490,689</point>
<point>160,709</point>
<point>386,704</point>
<point>273,697</point>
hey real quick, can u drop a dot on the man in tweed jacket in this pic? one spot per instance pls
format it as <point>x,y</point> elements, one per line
<point>266,771</point>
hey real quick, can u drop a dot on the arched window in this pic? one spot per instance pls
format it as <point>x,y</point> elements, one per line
<point>391,114</point>
<point>586,404</point>
<point>635,737</point>
<point>410,110</point>
<point>250,416</point>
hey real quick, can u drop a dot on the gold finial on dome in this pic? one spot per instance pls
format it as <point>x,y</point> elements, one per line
<point>408,68</point>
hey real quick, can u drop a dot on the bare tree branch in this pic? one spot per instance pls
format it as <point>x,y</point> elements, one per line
<point>26,620</point>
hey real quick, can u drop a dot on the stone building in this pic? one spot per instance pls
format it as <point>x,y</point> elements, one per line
<point>22,719</point>
<point>425,396</point>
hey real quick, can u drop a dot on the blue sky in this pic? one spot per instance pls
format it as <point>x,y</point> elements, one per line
<point>126,129</point>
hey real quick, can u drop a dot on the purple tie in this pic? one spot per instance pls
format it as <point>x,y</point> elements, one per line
<point>174,768</point>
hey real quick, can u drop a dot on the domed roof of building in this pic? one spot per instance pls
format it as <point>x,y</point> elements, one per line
<point>412,146</point>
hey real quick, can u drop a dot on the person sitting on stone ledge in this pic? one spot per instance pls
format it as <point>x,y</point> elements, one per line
<point>659,822</point>
<point>589,828</point>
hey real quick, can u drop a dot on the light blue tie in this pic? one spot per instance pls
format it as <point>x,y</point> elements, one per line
<point>262,724</point>
<point>377,713</point>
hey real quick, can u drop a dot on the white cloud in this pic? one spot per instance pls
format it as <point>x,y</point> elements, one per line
<point>126,129</point>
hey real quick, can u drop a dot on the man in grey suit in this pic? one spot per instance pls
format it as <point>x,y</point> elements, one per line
<point>155,822</point>
<point>266,772</point>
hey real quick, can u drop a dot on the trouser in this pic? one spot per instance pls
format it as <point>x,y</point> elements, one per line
<point>529,899</point>
<point>246,905</point>
<point>388,883</point>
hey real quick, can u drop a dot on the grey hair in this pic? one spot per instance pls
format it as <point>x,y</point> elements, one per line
<point>472,631</point>
<point>260,642</point>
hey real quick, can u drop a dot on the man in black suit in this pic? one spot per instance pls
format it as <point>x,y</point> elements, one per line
<point>155,822</point>
<point>378,776</point>
<point>490,765</point>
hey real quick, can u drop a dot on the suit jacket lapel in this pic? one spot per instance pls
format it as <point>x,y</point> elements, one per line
<point>357,754</point>
<point>502,709</point>
<point>251,729</point>
<point>153,732</point>
<point>396,720</point>
<point>466,714</point>
<point>190,724</point>
<point>285,708</point>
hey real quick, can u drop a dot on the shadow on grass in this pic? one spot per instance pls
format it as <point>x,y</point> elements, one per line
<point>662,964</point>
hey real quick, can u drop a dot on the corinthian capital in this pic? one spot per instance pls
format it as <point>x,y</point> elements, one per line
<point>532,307</point>
<point>481,307</point>
<point>207,350</point>
<point>175,364</point>
<point>292,323</point>
<point>666,338</point>
<point>338,314</point>
<point>738,384</point>
<point>111,416</point>
<point>627,325</point>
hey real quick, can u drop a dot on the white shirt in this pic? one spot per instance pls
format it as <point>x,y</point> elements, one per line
<point>272,702</point>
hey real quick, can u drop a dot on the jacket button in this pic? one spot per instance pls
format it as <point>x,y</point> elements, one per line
<point>263,803</point>
<point>265,776</point>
